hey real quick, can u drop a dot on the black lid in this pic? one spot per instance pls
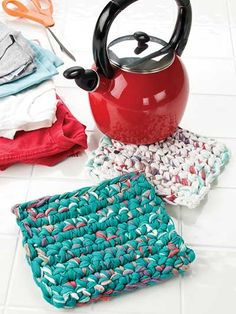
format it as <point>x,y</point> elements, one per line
<point>137,53</point>
<point>177,41</point>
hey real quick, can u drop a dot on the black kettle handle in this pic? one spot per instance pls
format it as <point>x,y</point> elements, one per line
<point>177,42</point>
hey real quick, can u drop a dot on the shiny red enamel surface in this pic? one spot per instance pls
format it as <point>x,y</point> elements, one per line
<point>141,108</point>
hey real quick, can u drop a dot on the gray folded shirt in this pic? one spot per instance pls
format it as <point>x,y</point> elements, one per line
<point>16,55</point>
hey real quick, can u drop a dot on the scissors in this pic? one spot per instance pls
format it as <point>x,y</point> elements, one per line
<point>39,15</point>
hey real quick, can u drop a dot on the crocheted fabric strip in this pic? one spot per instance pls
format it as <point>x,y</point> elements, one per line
<point>181,168</point>
<point>99,241</point>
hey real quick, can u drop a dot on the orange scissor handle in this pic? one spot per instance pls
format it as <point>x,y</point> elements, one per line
<point>40,15</point>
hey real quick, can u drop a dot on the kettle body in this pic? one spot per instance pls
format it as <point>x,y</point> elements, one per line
<point>133,106</point>
<point>141,109</point>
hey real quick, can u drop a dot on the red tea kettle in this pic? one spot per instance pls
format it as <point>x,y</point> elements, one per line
<point>137,93</point>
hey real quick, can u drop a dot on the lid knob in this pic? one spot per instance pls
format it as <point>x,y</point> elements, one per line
<point>142,39</point>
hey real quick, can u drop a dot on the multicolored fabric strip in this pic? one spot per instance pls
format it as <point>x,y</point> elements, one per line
<point>181,168</point>
<point>97,242</point>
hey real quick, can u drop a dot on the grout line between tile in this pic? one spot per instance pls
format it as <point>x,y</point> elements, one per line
<point>230,30</point>
<point>48,178</point>
<point>186,58</point>
<point>16,248</point>
<point>180,295</point>
<point>205,247</point>
<point>50,43</point>
<point>229,19</point>
<point>91,181</point>
<point>9,235</point>
<point>181,221</point>
<point>68,86</point>
<point>48,310</point>
<point>212,95</point>
<point>13,177</point>
<point>209,58</point>
<point>9,280</point>
<point>191,93</point>
<point>232,188</point>
<point>85,181</point>
<point>225,138</point>
<point>223,188</point>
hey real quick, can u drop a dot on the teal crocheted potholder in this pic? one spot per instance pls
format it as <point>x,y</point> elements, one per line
<point>100,241</point>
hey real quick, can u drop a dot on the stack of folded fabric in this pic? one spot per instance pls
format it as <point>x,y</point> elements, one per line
<point>29,110</point>
<point>35,125</point>
<point>23,63</point>
<point>17,57</point>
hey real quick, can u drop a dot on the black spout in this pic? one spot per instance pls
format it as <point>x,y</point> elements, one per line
<point>85,79</point>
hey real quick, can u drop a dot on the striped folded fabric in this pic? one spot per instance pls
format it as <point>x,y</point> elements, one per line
<point>98,242</point>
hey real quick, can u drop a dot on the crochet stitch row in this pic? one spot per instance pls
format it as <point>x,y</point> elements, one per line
<point>97,242</point>
<point>181,168</point>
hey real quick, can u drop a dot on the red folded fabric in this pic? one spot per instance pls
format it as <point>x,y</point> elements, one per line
<point>47,146</point>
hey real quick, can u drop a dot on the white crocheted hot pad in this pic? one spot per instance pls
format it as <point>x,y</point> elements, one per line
<point>181,168</point>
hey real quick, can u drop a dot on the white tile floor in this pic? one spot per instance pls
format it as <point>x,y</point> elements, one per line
<point>210,286</point>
